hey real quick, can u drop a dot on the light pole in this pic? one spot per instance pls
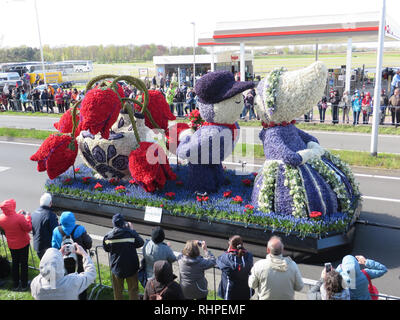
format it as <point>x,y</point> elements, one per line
<point>194,53</point>
<point>40,42</point>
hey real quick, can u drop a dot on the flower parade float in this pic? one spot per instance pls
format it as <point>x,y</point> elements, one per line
<point>303,194</point>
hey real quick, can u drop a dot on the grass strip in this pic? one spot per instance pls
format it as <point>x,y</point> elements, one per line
<point>353,158</point>
<point>102,271</point>
<point>25,133</point>
<point>31,114</point>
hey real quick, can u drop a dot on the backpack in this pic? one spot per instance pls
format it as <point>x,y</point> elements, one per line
<point>371,288</point>
<point>158,295</point>
<point>84,240</point>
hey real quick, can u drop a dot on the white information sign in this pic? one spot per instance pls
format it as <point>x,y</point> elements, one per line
<point>153,214</point>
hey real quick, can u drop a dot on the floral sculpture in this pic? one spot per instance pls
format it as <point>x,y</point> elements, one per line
<point>299,177</point>
<point>112,139</point>
<point>220,104</point>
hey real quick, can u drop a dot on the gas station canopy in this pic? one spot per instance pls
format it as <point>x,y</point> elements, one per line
<point>322,29</point>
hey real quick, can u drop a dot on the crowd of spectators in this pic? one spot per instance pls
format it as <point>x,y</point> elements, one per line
<point>361,103</point>
<point>38,100</point>
<point>66,269</point>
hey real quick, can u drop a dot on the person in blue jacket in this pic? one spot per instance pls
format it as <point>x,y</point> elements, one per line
<point>356,280</point>
<point>235,264</point>
<point>69,228</point>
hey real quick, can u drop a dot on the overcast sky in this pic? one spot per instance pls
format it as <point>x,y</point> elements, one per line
<point>167,22</point>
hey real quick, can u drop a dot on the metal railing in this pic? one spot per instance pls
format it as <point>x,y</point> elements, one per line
<point>99,286</point>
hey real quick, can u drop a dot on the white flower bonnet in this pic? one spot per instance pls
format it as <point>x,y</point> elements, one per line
<point>284,96</point>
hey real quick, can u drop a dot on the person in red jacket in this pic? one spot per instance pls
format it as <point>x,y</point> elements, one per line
<point>60,100</point>
<point>16,227</point>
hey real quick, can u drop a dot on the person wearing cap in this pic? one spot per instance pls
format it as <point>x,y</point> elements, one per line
<point>220,102</point>
<point>44,221</point>
<point>16,227</point>
<point>155,250</point>
<point>121,242</point>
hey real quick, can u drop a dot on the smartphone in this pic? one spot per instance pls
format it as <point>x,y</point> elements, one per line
<point>328,267</point>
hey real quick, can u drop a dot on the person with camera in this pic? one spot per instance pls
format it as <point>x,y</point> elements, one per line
<point>121,242</point>
<point>235,265</point>
<point>67,231</point>
<point>16,227</point>
<point>155,249</point>
<point>358,272</point>
<point>44,220</point>
<point>276,277</point>
<point>331,286</point>
<point>54,284</point>
<point>191,268</point>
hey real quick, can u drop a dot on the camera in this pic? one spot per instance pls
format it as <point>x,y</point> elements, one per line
<point>328,267</point>
<point>70,257</point>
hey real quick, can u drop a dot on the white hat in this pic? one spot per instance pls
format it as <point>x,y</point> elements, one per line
<point>45,200</point>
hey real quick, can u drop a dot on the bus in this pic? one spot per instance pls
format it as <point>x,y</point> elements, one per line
<point>65,67</point>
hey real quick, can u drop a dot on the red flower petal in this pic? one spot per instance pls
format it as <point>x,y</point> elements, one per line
<point>150,168</point>
<point>65,124</point>
<point>159,110</point>
<point>100,109</point>
<point>55,156</point>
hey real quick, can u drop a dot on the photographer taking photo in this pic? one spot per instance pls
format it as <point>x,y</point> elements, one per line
<point>68,229</point>
<point>192,266</point>
<point>16,227</point>
<point>53,284</point>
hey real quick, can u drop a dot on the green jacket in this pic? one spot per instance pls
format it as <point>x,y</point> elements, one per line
<point>170,95</point>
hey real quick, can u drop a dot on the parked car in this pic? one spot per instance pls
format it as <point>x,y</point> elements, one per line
<point>44,86</point>
<point>11,78</point>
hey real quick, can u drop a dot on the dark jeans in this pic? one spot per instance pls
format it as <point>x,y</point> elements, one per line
<point>189,108</point>
<point>395,115</point>
<point>321,114</point>
<point>36,105</point>
<point>19,269</point>
<point>335,114</point>
<point>172,108</point>
<point>179,109</point>
<point>365,118</point>
<point>356,116</point>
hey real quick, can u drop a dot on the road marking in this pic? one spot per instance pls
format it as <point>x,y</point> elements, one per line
<point>225,162</point>
<point>4,168</point>
<point>375,176</point>
<point>381,199</point>
<point>21,143</point>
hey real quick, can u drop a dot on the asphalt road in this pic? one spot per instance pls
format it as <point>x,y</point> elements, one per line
<point>20,180</point>
<point>329,140</point>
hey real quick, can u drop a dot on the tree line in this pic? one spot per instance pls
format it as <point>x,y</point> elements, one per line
<point>99,54</point>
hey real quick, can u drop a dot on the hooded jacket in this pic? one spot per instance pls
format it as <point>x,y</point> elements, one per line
<point>163,277</point>
<point>356,280</point>
<point>44,221</point>
<point>193,282</point>
<point>51,284</point>
<point>153,252</point>
<point>67,223</point>
<point>122,243</point>
<point>235,274</point>
<point>276,278</point>
<point>15,225</point>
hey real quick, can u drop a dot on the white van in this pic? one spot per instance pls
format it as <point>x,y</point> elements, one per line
<point>11,78</point>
